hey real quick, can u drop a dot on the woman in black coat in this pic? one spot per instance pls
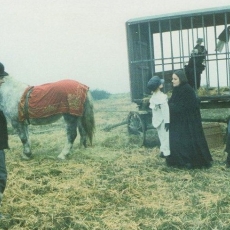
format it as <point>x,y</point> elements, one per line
<point>188,145</point>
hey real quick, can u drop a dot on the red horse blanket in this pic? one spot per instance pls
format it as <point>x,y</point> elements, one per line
<point>66,96</point>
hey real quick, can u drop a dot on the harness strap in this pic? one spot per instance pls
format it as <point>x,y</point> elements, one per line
<point>26,106</point>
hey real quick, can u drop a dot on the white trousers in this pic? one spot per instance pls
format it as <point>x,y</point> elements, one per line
<point>164,139</point>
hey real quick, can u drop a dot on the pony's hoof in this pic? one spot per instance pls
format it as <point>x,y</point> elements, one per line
<point>25,157</point>
<point>62,158</point>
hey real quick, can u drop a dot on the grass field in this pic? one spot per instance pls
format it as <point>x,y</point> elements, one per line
<point>113,185</point>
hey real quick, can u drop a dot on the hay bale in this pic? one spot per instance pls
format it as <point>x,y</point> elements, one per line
<point>214,134</point>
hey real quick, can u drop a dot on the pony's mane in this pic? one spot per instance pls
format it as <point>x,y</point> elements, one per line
<point>12,86</point>
<point>15,83</point>
<point>10,93</point>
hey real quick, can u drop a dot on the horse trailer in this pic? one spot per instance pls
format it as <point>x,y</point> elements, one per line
<point>195,41</point>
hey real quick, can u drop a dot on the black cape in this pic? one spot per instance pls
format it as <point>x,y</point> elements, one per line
<point>187,141</point>
<point>3,132</point>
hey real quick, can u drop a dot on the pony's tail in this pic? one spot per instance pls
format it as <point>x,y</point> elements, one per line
<point>88,122</point>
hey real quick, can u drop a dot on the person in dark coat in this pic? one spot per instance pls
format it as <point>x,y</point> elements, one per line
<point>3,142</point>
<point>188,145</point>
<point>227,147</point>
<point>196,65</point>
<point>3,145</point>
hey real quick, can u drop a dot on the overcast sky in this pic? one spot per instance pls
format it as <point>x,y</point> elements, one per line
<point>48,40</point>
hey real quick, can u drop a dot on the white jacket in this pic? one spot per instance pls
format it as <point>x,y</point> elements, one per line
<point>160,108</point>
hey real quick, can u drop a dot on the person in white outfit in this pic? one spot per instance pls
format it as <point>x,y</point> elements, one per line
<point>160,113</point>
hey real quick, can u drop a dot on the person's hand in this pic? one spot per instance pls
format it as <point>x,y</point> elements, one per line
<point>166,127</point>
<point>195,51</point>
<point>158,106</point>
<point>145,100</point>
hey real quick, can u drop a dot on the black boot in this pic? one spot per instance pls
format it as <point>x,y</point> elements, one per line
<point>227,148</point>
<point>228,161</point>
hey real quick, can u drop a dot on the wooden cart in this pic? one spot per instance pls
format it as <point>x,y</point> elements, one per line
<point>196,41</point>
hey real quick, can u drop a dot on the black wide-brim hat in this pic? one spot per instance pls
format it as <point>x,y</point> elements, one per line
<point>2,70</point>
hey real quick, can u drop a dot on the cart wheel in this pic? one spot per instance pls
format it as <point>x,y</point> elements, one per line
<point>136,129</point>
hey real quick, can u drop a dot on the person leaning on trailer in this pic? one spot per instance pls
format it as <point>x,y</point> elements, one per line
<point>196,64</point>
<point>188,146</point>
<point>160,113</point>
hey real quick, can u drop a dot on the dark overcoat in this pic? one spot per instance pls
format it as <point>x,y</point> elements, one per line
<point>188,145</point>
<point>195,66</point>
<point>3,132</point>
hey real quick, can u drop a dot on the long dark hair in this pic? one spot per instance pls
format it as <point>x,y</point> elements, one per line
<point>182,76</point>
